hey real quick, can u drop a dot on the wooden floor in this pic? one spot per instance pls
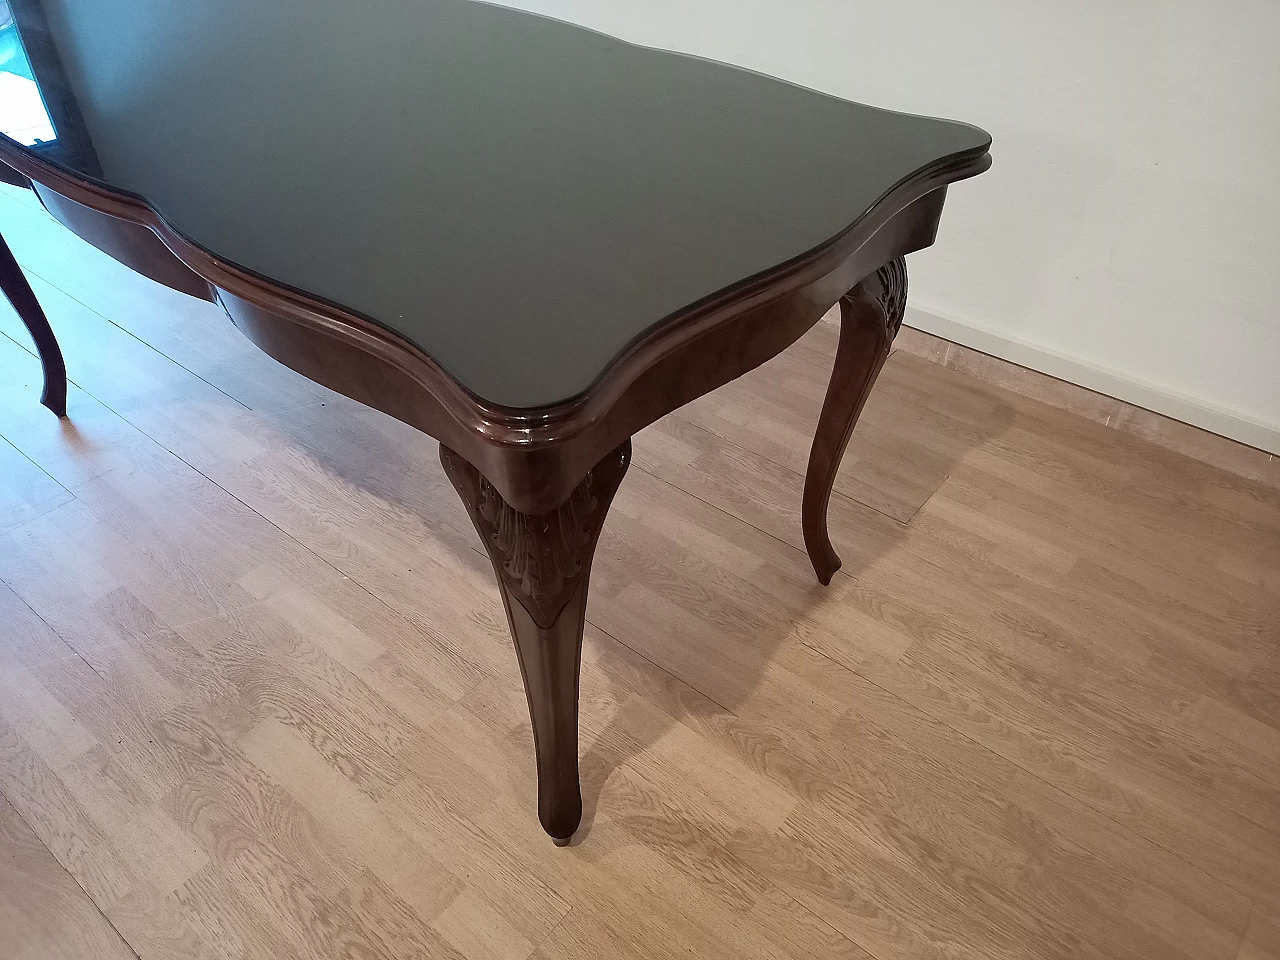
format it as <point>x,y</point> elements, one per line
<point>257,698</point>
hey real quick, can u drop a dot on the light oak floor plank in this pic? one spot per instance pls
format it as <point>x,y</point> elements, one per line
<point>44,915</point>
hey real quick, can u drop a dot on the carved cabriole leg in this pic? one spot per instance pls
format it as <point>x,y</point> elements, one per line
<point>20,294</point>
<point>870,315</point>
<point>543,564</point>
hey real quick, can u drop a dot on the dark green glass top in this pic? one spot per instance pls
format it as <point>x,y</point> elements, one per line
<point>519,197</point>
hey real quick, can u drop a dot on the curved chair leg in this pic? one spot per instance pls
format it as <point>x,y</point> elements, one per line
<point>543,564</point>
<point>870,315</point>
<point>20,294</point>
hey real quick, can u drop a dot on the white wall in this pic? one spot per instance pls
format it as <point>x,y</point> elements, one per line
<point>1128,236</point>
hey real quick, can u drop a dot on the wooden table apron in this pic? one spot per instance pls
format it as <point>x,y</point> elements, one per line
<point>537,483</point>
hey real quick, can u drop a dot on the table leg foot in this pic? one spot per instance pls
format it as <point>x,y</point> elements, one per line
<point>870,315</point>
<point>19,293</point>
<point>543,565</point>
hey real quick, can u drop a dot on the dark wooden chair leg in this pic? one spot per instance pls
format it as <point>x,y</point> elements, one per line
<point>543,564</point>
<point>870,315</point>
<point>20,294</point>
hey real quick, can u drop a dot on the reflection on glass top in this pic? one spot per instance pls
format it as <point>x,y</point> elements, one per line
<point>22,113</point>
<point>519,197</point>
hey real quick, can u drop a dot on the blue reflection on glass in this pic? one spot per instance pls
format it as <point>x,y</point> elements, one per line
<point>22,113</point>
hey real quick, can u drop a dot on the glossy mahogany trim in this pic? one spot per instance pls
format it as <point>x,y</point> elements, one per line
<point>136,247</point>
<point>498,423</point>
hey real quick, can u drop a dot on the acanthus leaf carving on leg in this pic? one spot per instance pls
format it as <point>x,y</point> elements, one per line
<point>541,556</point>
<point>543,566</point>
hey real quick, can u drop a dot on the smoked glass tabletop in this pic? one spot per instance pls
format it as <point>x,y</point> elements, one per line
<point>519,197</point>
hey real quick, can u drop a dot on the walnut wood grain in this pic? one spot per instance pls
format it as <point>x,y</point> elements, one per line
<point>870,316</point>
<point>131,244</point>
<point>543,565</point>
<point>19,293</point>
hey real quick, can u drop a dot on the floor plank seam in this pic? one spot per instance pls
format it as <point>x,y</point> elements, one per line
<point>106,919</point>
<point>554,927</point>
<point>29,349</point>
<point>933,493</point>
<point>233,496</point>
<point>43,513</point>
<point>72,651</point>
<point>823,921</point>
<point>781,466</point>
<point>409,618</point>
<point>265,519</point>
<point>679,679</point>
<point>733,516</point>
<point>26,347</point>
<point>154,349</point>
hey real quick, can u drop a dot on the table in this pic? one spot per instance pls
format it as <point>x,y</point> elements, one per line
<point>524,238</point>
